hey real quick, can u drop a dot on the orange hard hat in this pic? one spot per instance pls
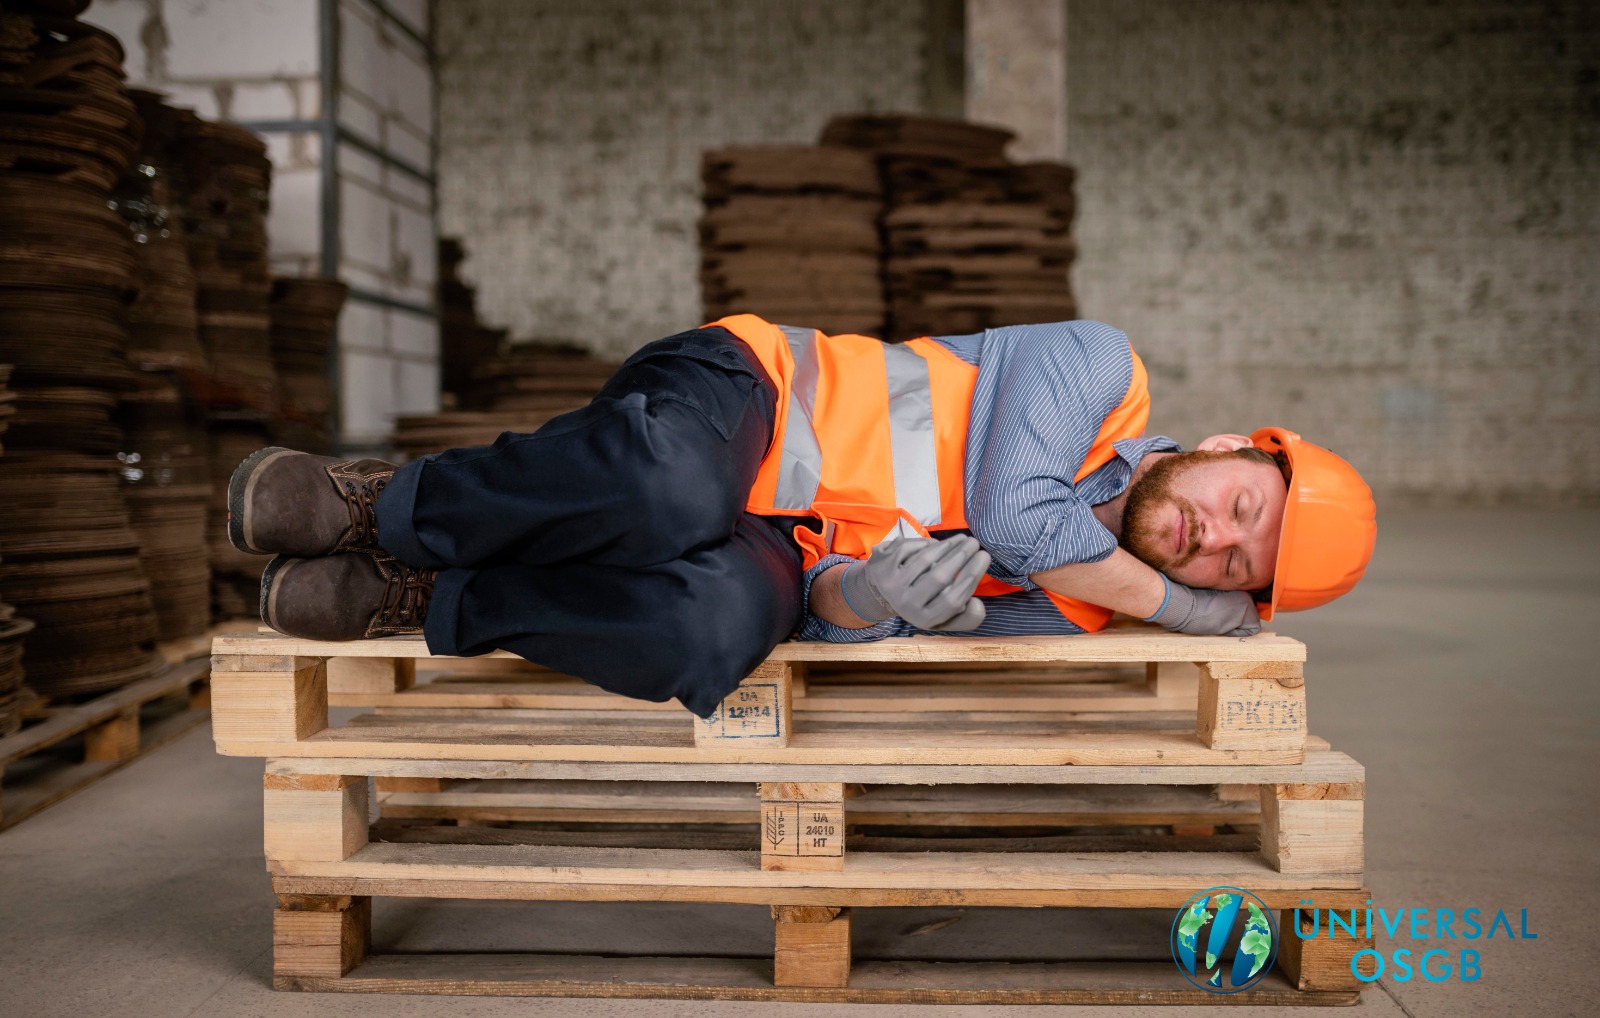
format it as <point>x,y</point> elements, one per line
<point>1329,524</point>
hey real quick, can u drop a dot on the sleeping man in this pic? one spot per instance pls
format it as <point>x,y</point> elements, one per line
<point>743,483</point>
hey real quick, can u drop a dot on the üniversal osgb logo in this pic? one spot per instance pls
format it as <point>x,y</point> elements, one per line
<point>1221,923</point>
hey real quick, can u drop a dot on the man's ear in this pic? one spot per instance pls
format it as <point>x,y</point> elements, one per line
<point>1223,443</point>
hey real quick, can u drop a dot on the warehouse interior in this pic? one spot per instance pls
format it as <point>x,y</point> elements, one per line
<point>392,227</point>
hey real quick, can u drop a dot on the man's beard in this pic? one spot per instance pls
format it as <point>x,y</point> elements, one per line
<point>1147,515</point>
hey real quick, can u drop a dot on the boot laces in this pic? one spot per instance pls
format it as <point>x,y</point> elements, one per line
<point>406,592</point>
<point>360,496</point>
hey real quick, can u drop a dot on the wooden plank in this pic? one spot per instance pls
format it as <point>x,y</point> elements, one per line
<point>287,702</point>
<point>326,937</point>
<point>759,711</point>
<point>326,821</point>
<point>70,721</point>
<point>1135,643</point>
<point>867,878</point>
<point>1304,833</point>
<point>444,741</point>
<point>1241,710</point>
<point>811,952</point>
<point>1321,765</point>
<point>751,979</point>
<point>802,826</point>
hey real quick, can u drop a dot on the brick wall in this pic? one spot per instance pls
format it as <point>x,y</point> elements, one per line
<point>1374,221</point>
<point>570,138</point>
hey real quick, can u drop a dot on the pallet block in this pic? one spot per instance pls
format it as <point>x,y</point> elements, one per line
<point>811,946</point>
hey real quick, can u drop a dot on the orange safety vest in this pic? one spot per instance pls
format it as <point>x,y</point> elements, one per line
<point>870,438</point>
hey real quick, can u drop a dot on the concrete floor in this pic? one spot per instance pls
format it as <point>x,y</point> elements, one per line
<point>1460,674</point>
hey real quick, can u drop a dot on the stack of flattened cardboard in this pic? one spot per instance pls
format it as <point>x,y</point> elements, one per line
<point>970,240</point>
<point>790,232</point>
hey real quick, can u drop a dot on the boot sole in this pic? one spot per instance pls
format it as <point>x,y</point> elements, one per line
<point>268,575</point>
<point>240,486</point>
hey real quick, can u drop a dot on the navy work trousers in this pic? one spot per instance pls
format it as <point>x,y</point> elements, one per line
<point>612,544</point>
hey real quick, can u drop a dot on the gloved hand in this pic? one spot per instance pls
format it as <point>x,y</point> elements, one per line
<point>926,582</point>
<point>1207,612</point>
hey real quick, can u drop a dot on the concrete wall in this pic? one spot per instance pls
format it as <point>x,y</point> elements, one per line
<point>260,63</point>
<point>570,138</point>
<point>1374,221</point>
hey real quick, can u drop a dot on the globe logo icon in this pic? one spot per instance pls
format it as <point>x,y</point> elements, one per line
<point>1215,923</point>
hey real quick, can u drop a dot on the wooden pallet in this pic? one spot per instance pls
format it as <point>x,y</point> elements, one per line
<point>1204,700</point>
<point>782,827</point>
<point>328,864</point>
<point>70,747</point>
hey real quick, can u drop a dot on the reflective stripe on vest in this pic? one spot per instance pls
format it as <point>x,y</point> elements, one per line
<point>913,450</point>
<point>800,469</point>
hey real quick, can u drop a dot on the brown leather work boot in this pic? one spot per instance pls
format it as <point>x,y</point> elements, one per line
<point>345,597</point>
<point>294,503</point>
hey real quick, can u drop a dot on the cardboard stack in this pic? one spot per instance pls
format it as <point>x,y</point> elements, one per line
<point>68,133</point>
<point>305,313</point>
<point>518,390</point>
<point>970,240</point>
<point>464,341</point>
<point>790,232</point>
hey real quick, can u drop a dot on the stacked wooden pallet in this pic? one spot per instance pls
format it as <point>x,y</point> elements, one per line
<point>791,232</point>
<point>983,741</point>
<point>67,747</point>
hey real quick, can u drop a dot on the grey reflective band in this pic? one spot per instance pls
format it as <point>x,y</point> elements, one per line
<point>800,464</point>
<point>911,439</point>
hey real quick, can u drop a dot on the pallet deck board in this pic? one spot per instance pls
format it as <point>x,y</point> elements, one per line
<point>1321,766</point>
<point>1135,644</point>
<point>611,740</point>
<point>1092,878</point>
<point>882,982</point>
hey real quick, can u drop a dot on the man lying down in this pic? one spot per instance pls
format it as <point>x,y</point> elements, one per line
<point>740,484</point>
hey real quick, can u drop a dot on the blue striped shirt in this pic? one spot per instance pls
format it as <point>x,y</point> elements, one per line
<point>1042,393</point>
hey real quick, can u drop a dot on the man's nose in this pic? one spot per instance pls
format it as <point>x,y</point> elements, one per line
<point>1216,535</point>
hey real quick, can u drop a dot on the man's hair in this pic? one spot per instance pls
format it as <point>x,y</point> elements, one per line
<point>1278,460</point>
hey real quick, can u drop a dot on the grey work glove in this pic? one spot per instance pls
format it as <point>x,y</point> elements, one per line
<point>1202,612</point>
<point>926,582</point>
